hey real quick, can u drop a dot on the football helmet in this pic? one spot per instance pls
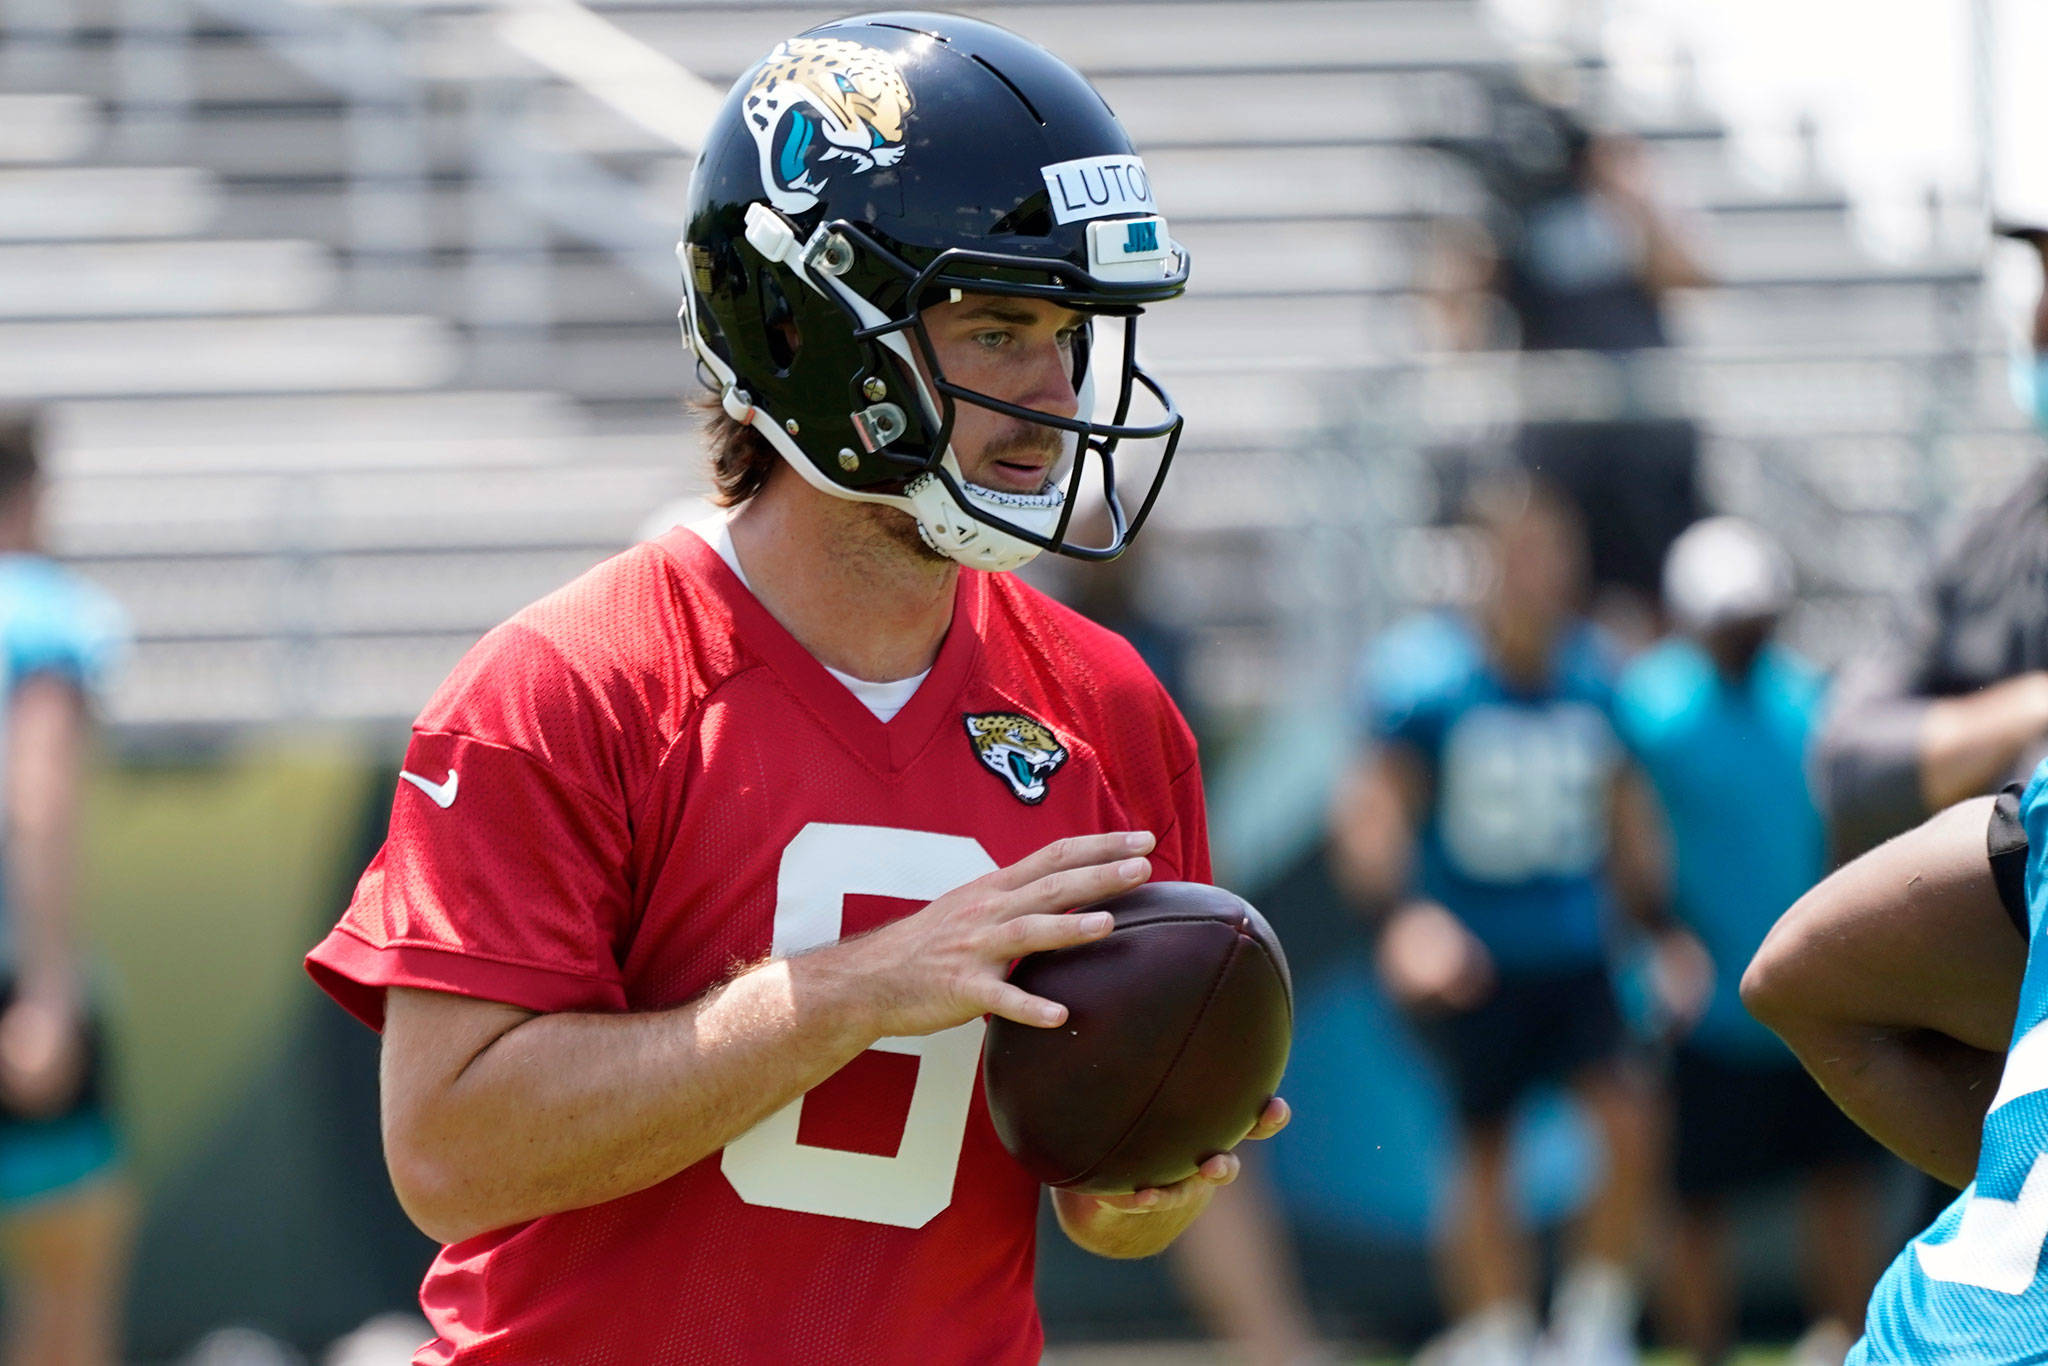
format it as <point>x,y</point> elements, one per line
<point>869,168</point>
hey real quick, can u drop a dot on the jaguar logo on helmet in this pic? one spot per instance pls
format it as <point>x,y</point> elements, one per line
<point>1020,751</point>
<point>821,105</point>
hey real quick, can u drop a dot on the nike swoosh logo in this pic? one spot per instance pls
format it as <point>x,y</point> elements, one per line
<point>441,794</point>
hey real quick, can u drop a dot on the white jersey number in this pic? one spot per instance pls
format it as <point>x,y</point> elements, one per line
<point>822,866</point>
<point>1997,1245</point>
<point>1524,791</point>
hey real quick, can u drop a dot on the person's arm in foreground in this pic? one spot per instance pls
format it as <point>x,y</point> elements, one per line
<point>42,1044</point>
<point>494,1114</point>
<point>1895,981</point>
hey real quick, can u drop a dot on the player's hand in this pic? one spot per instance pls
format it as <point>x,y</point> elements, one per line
<point>947,964</point>
<point>42,1052</point>
<point>1431,963</point>
<point>1682,980</point>
<point>1216,1172</point>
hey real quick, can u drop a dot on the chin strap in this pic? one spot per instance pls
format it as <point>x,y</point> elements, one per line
<point>951,531</point>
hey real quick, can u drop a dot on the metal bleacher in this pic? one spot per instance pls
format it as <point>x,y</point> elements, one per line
<point>356,322</point>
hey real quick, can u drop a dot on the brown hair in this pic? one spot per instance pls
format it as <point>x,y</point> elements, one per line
<point>20,446</point>
<point>741,458</point>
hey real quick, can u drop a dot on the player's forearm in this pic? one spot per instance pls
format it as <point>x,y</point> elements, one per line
<point>39,891</point>
<point>1896,981</point>
<point>1372,833</point>
<point>561,1112</point>
<point>1921,1094</point>
<point>1119,1234</point>
<point>1969,744</point>
<point>43,798</point>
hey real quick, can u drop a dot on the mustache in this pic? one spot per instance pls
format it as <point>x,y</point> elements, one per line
<point>1051,445</point>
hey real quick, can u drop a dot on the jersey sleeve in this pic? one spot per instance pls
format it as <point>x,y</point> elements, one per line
<point>1191,826</point>
<point>1404,683</point>
<point>2018,835</point>
<point>71,630</point>
<point>504,875</point>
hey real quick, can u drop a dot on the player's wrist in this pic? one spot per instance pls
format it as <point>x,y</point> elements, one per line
<point>846,988</point>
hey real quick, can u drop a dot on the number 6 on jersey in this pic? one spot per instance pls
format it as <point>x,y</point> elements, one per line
<point>820,868</point>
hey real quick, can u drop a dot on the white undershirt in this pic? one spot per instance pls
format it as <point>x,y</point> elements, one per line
<point>883,699</point>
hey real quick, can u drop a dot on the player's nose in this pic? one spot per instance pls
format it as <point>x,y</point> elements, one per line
<point>1051,388</point>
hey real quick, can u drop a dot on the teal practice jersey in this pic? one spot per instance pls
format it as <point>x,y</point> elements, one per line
<point>1728,761</point>
<point>1515,842</point>
<point>1972,1288</point>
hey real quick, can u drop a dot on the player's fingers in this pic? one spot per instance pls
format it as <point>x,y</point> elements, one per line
<point>1076,851</point>
<point>1015,1003</point>
<point>1137,1202</point>
<point>1071,887</point>
<point>1038,933</point>
<point>1273,1120</point>
<point>1220,1170</point>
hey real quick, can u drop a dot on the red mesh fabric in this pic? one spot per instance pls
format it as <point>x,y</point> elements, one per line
<point>644,759</point>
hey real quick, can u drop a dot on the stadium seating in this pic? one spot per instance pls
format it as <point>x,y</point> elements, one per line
<point>358,326</point>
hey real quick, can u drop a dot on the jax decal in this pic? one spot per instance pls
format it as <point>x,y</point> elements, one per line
<point>818,106</point>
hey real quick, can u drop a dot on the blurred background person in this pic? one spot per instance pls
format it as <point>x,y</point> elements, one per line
<point>1953,702</point>
<point>1720,718</point>
<point>65,1209</point>
<point>1488,829</point>
<point>1577,254</point>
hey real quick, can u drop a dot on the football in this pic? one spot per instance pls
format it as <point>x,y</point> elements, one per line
<point>1177,1032</point>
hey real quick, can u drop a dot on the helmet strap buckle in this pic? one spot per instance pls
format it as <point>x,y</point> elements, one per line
<point>879,424</point>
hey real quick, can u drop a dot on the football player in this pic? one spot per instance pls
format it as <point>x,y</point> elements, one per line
<point>706,869</point>
<point>1485,831</point>
<point>1914,986</point>
<point>1721,718</point>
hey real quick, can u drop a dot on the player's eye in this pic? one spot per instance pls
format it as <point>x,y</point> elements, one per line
<point>992,340</point>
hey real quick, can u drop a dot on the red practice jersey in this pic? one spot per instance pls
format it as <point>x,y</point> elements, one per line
<point>640,783</point>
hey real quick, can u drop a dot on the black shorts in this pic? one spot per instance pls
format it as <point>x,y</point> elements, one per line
<point>1741,1127</point>
<point>45,1156</point>
<point>1535,1028</point>
<point>1635,484</point>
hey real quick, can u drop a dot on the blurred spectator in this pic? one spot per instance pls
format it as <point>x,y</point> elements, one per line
<point>1954,701</point>
<point>65,1210</point>
<point>1487,830</point>
<point>1720,719</point>
<point>1577,255</point>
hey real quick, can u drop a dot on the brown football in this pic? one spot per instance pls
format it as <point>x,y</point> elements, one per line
<point>1178,1024</point>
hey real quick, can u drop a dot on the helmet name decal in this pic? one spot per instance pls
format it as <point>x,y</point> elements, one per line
<point>819,106</point>
<point>1022,752</point>
<point>1095,187</point>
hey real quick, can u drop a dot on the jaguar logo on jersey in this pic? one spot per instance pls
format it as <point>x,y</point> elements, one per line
<point>1017,749</point>
<point>823,104</point>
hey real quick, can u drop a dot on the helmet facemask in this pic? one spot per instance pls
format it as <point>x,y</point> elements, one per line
<point>902,452</point>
